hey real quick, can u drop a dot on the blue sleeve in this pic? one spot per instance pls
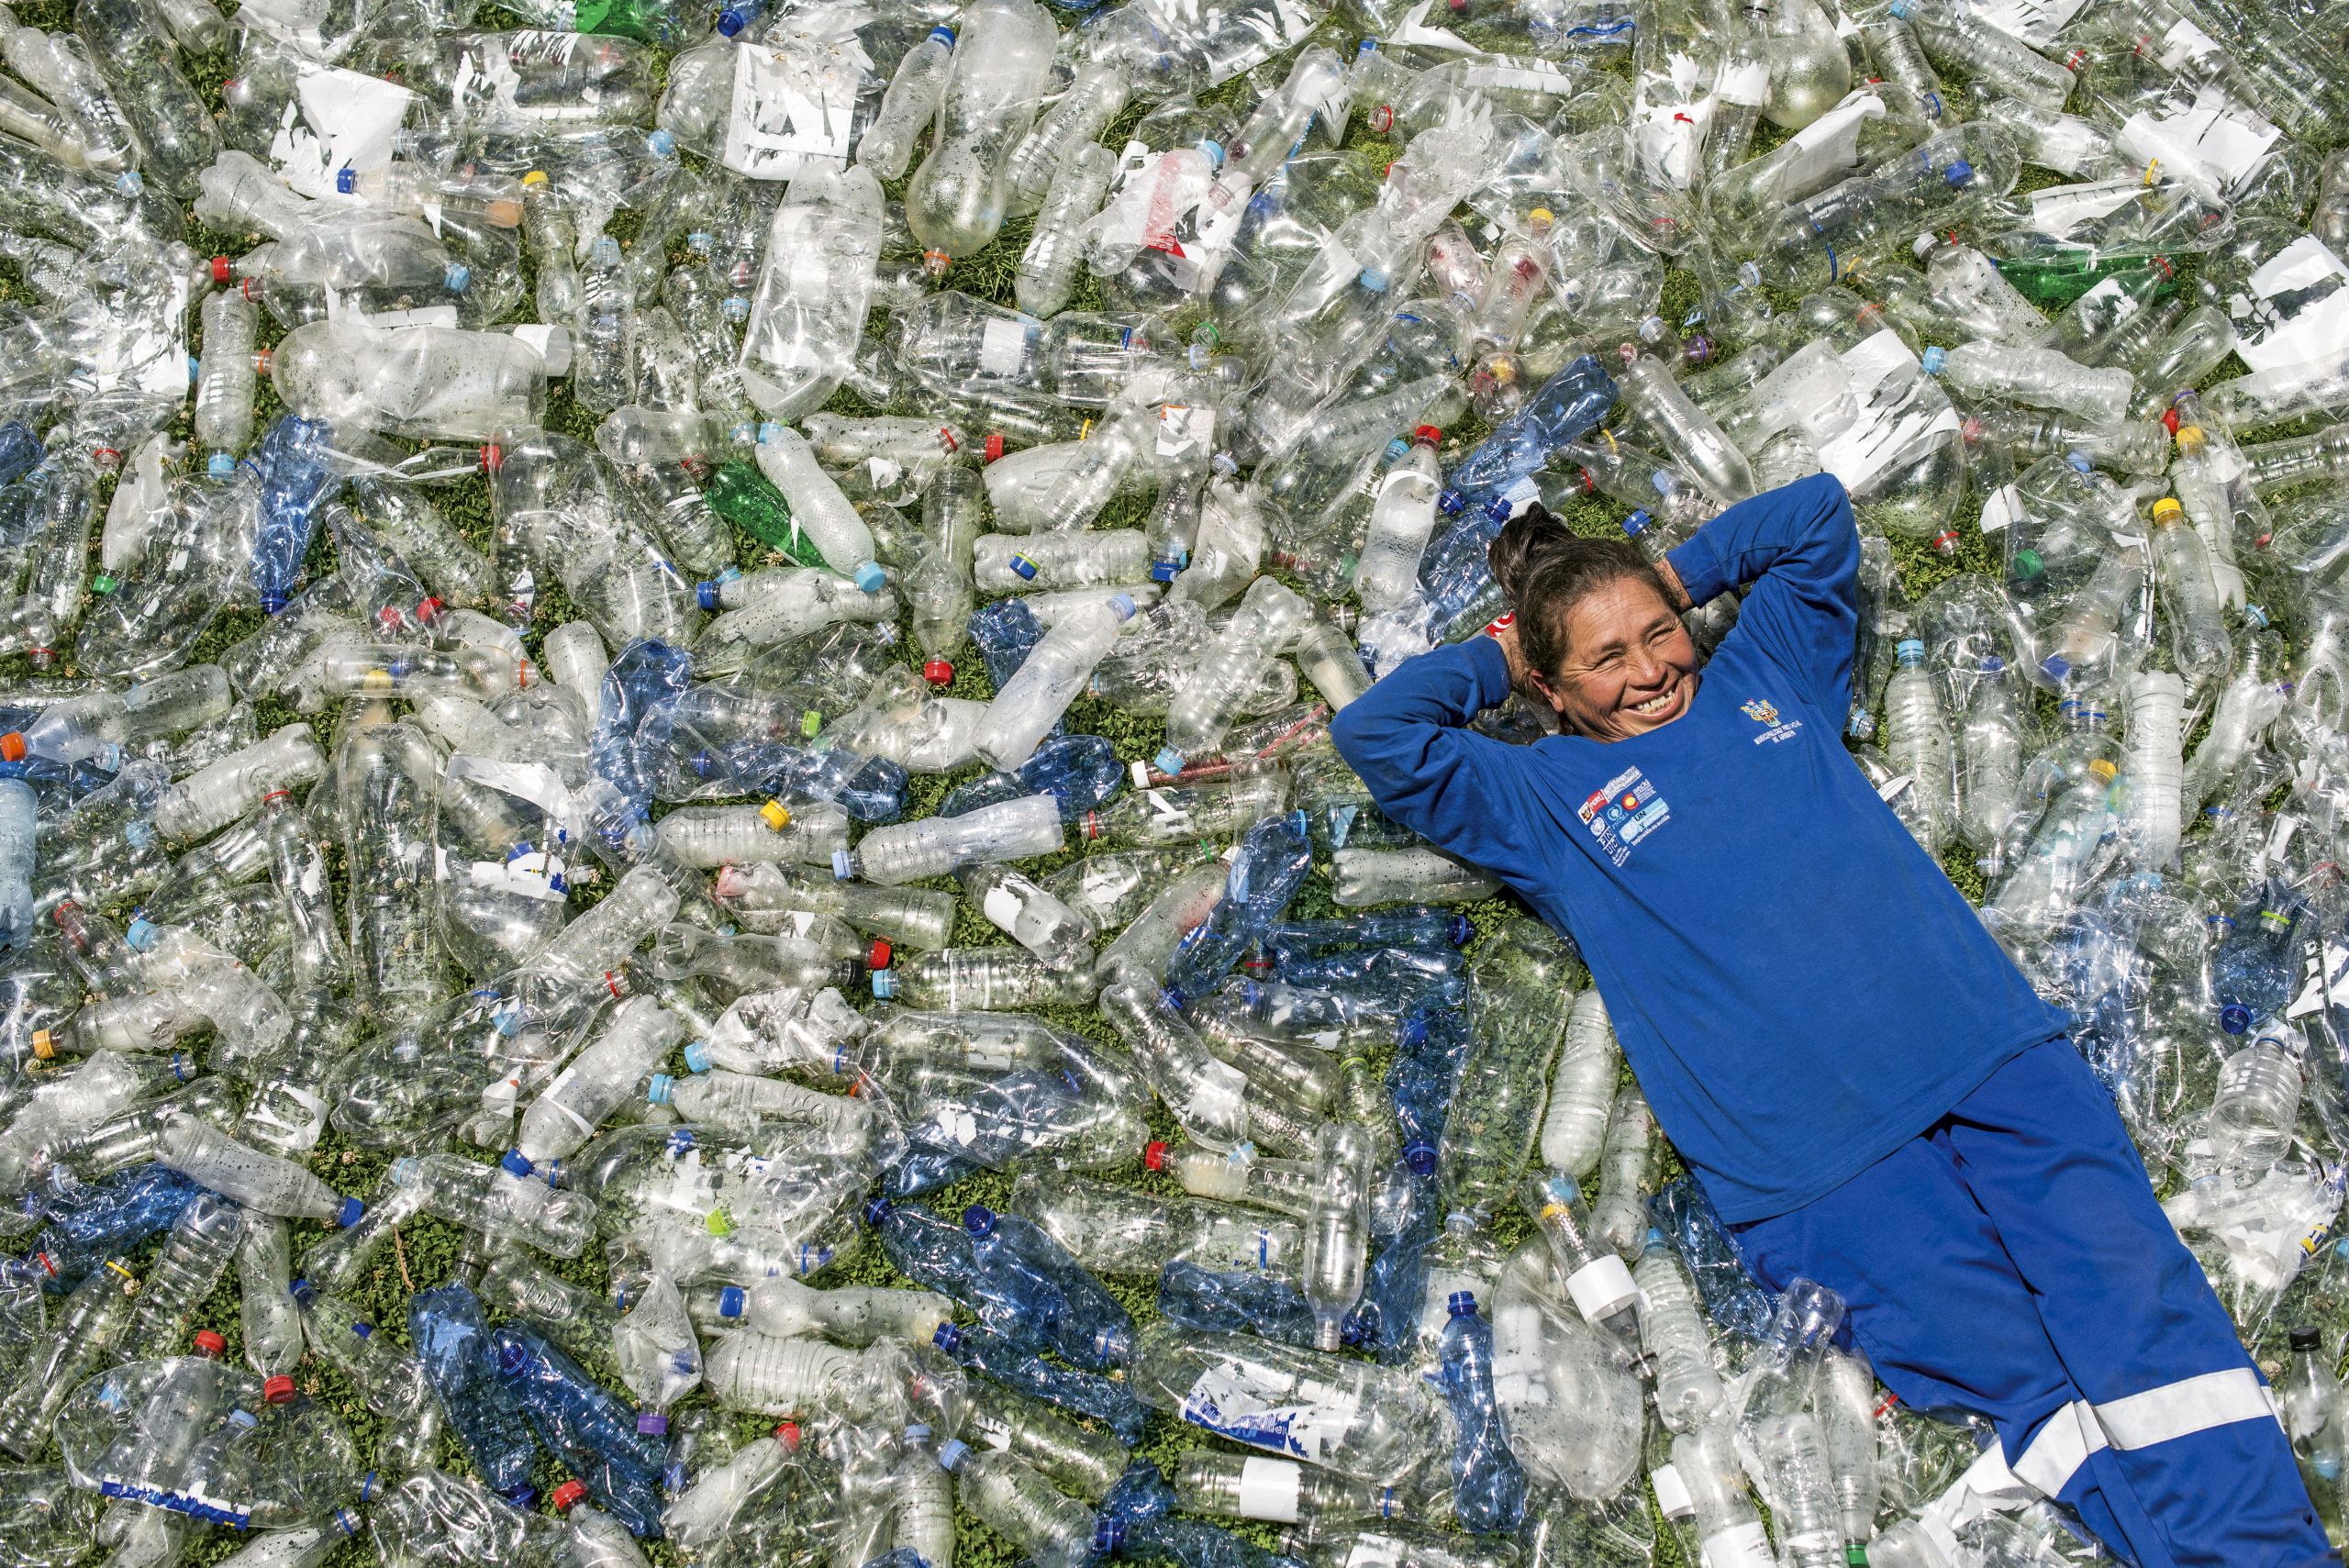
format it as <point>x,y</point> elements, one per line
<point>1405,740</point>
<point>1800,546</point>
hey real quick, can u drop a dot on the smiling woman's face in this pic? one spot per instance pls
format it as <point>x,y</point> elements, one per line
<point>1628,667</point>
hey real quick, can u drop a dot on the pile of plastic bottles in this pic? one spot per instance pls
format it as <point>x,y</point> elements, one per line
<point>672,882</point>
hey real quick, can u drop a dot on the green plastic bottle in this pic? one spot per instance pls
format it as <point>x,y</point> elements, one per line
<point>742,495</point>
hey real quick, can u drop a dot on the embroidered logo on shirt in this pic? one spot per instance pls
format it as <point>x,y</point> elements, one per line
<point>1623,811</point>
<point>1763,711</point>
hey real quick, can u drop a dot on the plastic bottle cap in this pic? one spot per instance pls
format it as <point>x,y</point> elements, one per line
<point>1934,359</point>
<point>1420,1157</point>
<point>947,1338</point>
<point>140,932</point>
<point>208,1343</point>
<point>698,1056</point>
<point>567,1496</point>
<point>2056,667</point>
<point>2167,510</point>
<point>1462,1304</point>
<point>606,250</point>
<point>871,577</point>
<point>993,449</point>
<point>1023,568</point>
<point>2104,769</point>
<point>1154,1154</point>
<point>944,34</point>
<point>775,815</point>
<point>350,1213</point>
<point>1108,1536</point>
<point>844,864</point>
<point>651,1424</point>
<point>952,1451</point>
<point>705,596</point>
<point>220,465</point>
<point>364,1331</point>
<point>515,1164</point>
<point>979,1220</point>
<point>12,746</point>
<point>1168,760</point>
<point>658,1090</point>
<point>2234,1018</point>
<point>1908,648</point>
<point>661,144</point>
<point>939,672</point>
<point>346,181</point>
<point>1959,175</point>
<point>1636,523</point>
<point>278,1390</point>
<point>223,270</point>
<point>1122,606</point>
<point>458,278</point>
<point>2305,1339</point>
<point>878,953</point>
<point>877,1210</point>
<point>1374,280</point>
<point>885,983</point>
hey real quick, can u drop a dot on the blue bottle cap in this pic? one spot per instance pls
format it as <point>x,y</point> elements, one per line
<point>458,278</point>
<point>1374,280</point>
<point>1419,1155</point>
<point>729,1301</point>
<point>220,465</point>
<point>1108,1535</point>
<point>2079,460</point>
<point>1452,503</point>
<point>885,983</point>
<point>1214,150</point>
<point>364,1331</point>
<point>1934,359</point>
<point>1168,760</point>
<point>877,1210</point>
<point>1165,571</point>
<point>512,1357</point>
<point>844,865</point>
<point>2056,666</point>
<point>661,144</point>
<point>952,1451</point>
<point>731,21</point>
<point>515,1164</point>
<point>2234,1018</point>
<point>131,183</point>
<point>1462,1304</point>
<point>1174,996</point>
<point>944,34</point>
<point>947,1338</point>
<point>348,1215</point>
<point>1993,665</point>
<point>1908,648</point>
<point>605,251</point>
<point>651,1424</point>
<point>1023,568</point>
<point>698,1057</point>
<point>658,1091</point>
<point>521,1495</point>
<point>979,1220</point>
<point>1959,175</point>
<point>1636,523</point>
<point>1122,606</point>
<point>869,577</point>
<point>1500,508</point>
<point>140,932</point>
<point>705,596</point>
<point>346,181</point>
<point>301,1290</point>
<point>1655,1237</point>
<point>1461,929</point>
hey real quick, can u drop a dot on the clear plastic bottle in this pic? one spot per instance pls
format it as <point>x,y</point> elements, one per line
<point>196,1254</point>
<point>1054,1529</point>
<point>1916,737</point>
<point>1049,267</point>
<point>1268,619</point>
<point>502,1203</point>
<point>1052,675</point>
<point>2256,1110</point>
<point>1337,1227</point>
<point>209,1157</point>
<point>2189,597</point>
<point>958,198</point>
<point>1402,519</point>
<point>1575,1127</point>
<point>2156,766</point>
<point>1692,436</point>
<point>818,506</point>
<point>907,106</point>
<point>905,852</point>
<point>226,379</point>
<point>1689,1390</point>
<point>1626,1174</point>
<point>604,330</point>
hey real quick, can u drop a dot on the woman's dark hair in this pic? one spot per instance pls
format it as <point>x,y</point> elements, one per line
<point>1546,571</point>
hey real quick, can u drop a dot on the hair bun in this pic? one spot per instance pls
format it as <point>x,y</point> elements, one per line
<point>1523,541</point>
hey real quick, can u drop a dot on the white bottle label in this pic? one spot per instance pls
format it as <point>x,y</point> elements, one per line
<point>1601,1286</point>
<point>1902,413</point>
<point>793,107</point>
<point>336,120</point>
<point>2315,328</point>
<point>1269,1489</point>
<point>1747,86</point>
<point>1002,346</point>
<point>1739,1546</point>
<point>2000,508</point>
<point>1002,906</point>
<point>1672,1492</point>
<point>1829,147</point>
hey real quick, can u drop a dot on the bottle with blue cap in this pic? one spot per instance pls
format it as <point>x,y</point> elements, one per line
<point>392,1382</point>
<point>818,509</point>
<point>618,1452</point>
<point>995,81</point>
<point>1115,1229</point>
<point>906,106</point>
<point>640,1034</point>
<point>743,1100</point>
<point>1265,625</point>
<point>908,851</point>
<point>1488,1485</point>
<point>763,609</point>
<point>2257,968</point>
<point>1051,676</point>
<point>1022,1258</point>
<point>1003,1362</point>
<point>1986,53</point>
<point>211,1158</point>
<point>506,1202</point>
<point>1015,563</point>
<point>848,1314</point>
<point>2041,378</point>
<point>1271,864</point>
<point>1917,738</point>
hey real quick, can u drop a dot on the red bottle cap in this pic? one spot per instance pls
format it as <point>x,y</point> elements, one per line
<point>208,1343</point>
<point>278,1390</point>
<point>995,445</point>
<point>222,269</point>
<point>566,1495</point>
<point>1429,434</point>
<point>788,1435</point>
<point>1154,1154</point>
<point>877,956</point>
<point>939,673</point>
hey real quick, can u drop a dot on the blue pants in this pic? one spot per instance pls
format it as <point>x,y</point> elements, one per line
<point>2011,1260</point>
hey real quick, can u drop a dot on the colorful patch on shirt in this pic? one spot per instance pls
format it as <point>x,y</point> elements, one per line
<point>1764,712</point>
<point>1623,811</point>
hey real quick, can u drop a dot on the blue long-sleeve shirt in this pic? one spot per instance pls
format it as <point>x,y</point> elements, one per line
<point>1797,986</point>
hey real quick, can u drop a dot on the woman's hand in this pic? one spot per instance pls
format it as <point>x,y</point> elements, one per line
<point>1522,678</point>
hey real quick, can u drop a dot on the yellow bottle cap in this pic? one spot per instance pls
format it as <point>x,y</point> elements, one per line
<point>2103,770</point>
<point>2167,510</point>
<point>44,1045</point>
<point>774,815</point>
<point>534,177</point>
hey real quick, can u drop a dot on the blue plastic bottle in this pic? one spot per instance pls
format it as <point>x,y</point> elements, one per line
<point>1082,1320</point>
<point>450,1333</point>
<point>1018,1369</point>
<point>1488,1485</point>
<point>1274,859</point>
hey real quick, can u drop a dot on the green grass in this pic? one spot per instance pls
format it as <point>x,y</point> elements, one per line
<point>427,1252</point>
